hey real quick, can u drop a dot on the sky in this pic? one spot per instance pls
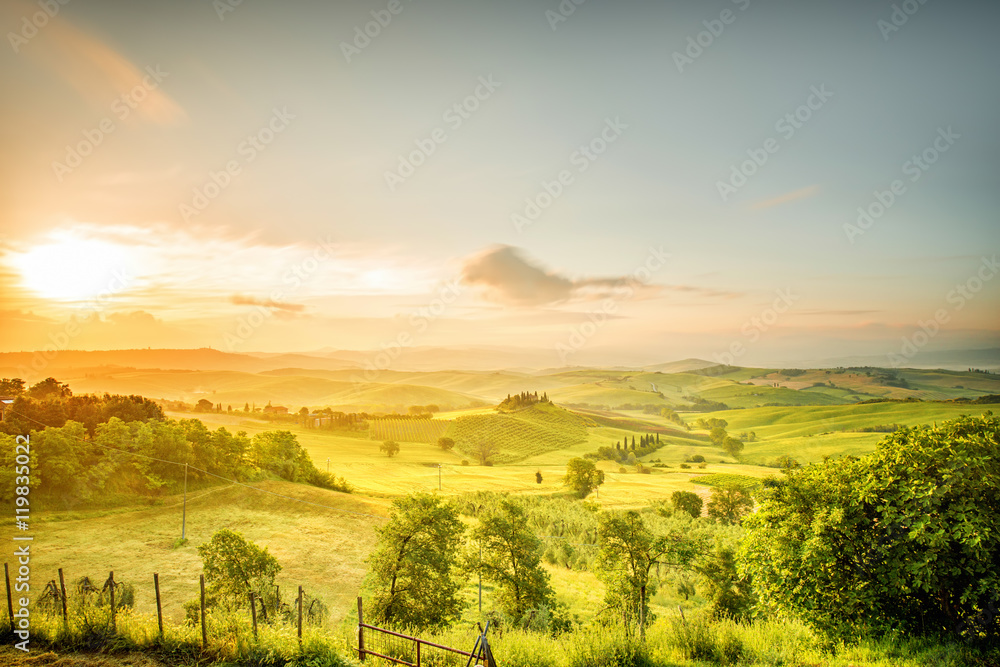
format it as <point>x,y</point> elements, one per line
<point>742,181</point>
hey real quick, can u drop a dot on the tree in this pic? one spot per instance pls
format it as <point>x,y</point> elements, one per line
<point>246,407</point>
<point>729,503</point>
<point>446,444</point>
<point>628,550</point>
<point>411,571</point>
<point>907,537</point>
<point>687,501</point>
<point>11,387</point>
<point>717,435</point>
<point>732,446</point>
<point>510,559</point>
<point>730,595</point>
<point>235,567</point>
<point>49,388</point>
<point>204,405</point>
<point>582,476</point>
<point>390,447</point>
<point>485,450</point>
<point>538,477</point>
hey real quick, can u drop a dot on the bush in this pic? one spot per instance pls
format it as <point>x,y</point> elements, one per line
<point>906,538</point>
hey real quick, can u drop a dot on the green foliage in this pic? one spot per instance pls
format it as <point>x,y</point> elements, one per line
<point>582,476</point>
<point>628,551</point>
<point>446,444</point>
<point>234,568</point>
<point>537,429</point>
<point>907,538</point>
<point>507,553</point>
<point>730,503</point>
<point>730,594</point>
<point>411,571</point>
<point>390,448</point>
<point>687,501</point>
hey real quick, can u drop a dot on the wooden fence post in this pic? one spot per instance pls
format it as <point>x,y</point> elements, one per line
<point>159,609</point>
<point>10,601</point>
<point>204,629</point>
<point>114,620</point>
<point>253,613</point>
<point>62,588</point>
<point>361,632</point>
<point>300,616</point>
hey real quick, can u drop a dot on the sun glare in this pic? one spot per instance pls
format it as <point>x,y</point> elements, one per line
<point>72,269</point>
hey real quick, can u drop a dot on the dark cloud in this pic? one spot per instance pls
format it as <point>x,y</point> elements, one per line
<point>505,276</point>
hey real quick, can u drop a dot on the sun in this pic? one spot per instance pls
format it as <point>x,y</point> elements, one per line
<point>72,269</point>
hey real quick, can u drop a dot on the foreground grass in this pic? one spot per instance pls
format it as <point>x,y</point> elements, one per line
<point>670,642</point>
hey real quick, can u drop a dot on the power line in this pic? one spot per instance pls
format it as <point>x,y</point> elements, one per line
<point>212,474</point>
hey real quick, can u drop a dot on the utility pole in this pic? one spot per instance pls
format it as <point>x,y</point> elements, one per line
<point>184,515</point>
<point>480,578</point>
<point>328,464</point>
<point>439,477</point>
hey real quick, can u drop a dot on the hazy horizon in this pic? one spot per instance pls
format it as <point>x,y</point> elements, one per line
<point>628,184</point>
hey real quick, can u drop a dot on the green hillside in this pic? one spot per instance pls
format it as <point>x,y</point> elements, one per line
<point>518,435</point>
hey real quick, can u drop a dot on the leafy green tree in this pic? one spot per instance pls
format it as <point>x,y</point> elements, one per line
<point>204,405</point>
<point>906,538</point>
<point>235,567</point>
<point>446,444</point>
<point>411,572</point>
<point>687,501</point>
<point>508,554</point>
<point>389,447</point>
<point>628,550</point>
<point>729,503</point>
<point>49,388</point>
<point>538,477</point>
<point>730,594</point>
<point>11,387</point>
<point>717,435</point>
<point>732,446</point>
<point>582,476</point>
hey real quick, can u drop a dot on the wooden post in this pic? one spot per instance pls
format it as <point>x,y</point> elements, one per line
<point>204,629</point>
<point>10,600</point>
<point>114,620</point>
<point>418,653</point>
<point>62,588</point>
<point>159,609</point>
<point>300,616</point>
<point>361,629</point>
<point>253,613</point>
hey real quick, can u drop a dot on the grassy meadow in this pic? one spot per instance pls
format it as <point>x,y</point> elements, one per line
<point>322,543</point>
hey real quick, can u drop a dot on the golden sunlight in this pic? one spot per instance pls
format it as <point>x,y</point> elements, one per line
<point>71,269</point>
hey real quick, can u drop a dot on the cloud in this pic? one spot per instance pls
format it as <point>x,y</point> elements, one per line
<point>801,193</point>
<point>98,72</point>
<point>242,300</point>
<point>506,277</point>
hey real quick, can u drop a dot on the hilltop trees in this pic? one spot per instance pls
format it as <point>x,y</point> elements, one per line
<point>509,555</point>
<point>411,571</point>
<point>905,538</point>
<point>582,476</point>
<point>446,444</point>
